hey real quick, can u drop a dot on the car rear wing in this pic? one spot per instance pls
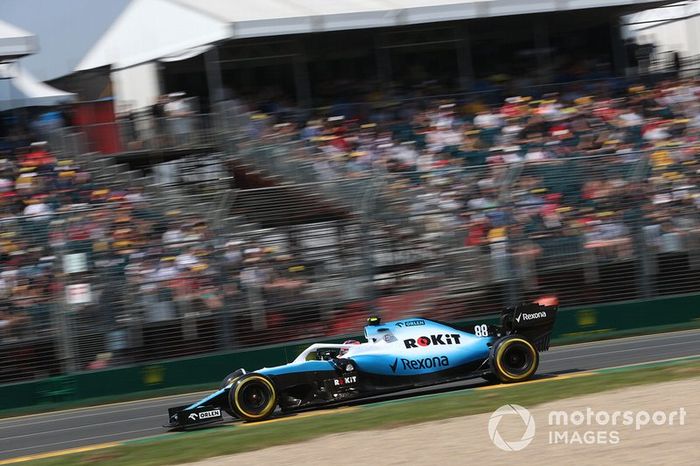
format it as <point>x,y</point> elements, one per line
<point>531,320</point>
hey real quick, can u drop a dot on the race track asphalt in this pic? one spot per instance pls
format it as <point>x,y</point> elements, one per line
<point>25,435</point>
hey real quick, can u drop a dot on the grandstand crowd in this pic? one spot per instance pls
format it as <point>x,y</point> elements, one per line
<point>605,165</point>
<point>594,161</point>
<point>615,130</point>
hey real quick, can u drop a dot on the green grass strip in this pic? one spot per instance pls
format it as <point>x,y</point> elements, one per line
<point>191,446</point>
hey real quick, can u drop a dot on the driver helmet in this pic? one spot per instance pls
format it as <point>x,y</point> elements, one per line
<point>347,342</point>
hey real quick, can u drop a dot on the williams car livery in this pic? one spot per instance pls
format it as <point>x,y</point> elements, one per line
<point>396,356</point>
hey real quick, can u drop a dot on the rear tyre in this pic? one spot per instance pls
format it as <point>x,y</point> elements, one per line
<point>253,397</point>
<point>513,359</point>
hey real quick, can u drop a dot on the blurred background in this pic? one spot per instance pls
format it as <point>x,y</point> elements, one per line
<point>182,178</point>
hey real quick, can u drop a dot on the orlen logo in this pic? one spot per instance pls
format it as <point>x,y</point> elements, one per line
<point>536,315</point>
<point>209,414</point>
<point>439,339</point>
<point>410,323</point>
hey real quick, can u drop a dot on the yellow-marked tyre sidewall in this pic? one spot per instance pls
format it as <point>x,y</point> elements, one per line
<point>502,373</point>
<point>224,383</point>
<point>236,390</point>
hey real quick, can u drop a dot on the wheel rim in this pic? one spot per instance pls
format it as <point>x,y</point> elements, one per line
<point>255,398</point>
<point>517,359</point>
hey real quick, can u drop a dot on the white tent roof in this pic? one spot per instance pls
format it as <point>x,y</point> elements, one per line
<point>150,29</point>
<point>657,16</point>
<point>18,89</point>
<point>16,42</point>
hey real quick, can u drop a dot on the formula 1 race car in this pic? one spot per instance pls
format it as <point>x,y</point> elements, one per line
<point>398,355</point>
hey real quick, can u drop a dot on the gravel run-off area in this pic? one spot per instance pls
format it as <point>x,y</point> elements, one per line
<point>466,440</point>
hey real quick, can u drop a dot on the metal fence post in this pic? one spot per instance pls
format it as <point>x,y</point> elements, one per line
<point>645,265</point>
<point>511,285</point>
<point>65,316</point>
<point>367,210</point>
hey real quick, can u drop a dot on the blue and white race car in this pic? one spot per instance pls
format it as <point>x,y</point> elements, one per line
<point>398,355</point>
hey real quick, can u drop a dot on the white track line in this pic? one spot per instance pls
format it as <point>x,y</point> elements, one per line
<point>84,439</point>
<point>87,426</point>
<point>657,361</point>
<point>621,351</point>
<point>624,341</point>
<point>98,410</point>
<point>108,405</point>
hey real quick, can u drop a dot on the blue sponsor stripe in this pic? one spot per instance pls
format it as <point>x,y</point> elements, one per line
<point>293,368</point>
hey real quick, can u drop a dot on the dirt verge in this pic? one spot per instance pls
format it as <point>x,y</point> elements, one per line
<point>466,439</point>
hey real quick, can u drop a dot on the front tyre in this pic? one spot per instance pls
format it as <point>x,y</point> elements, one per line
<point>253,397</point>
<point>513,359</point>
<point>227,381</point>
<point>231,377</point>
